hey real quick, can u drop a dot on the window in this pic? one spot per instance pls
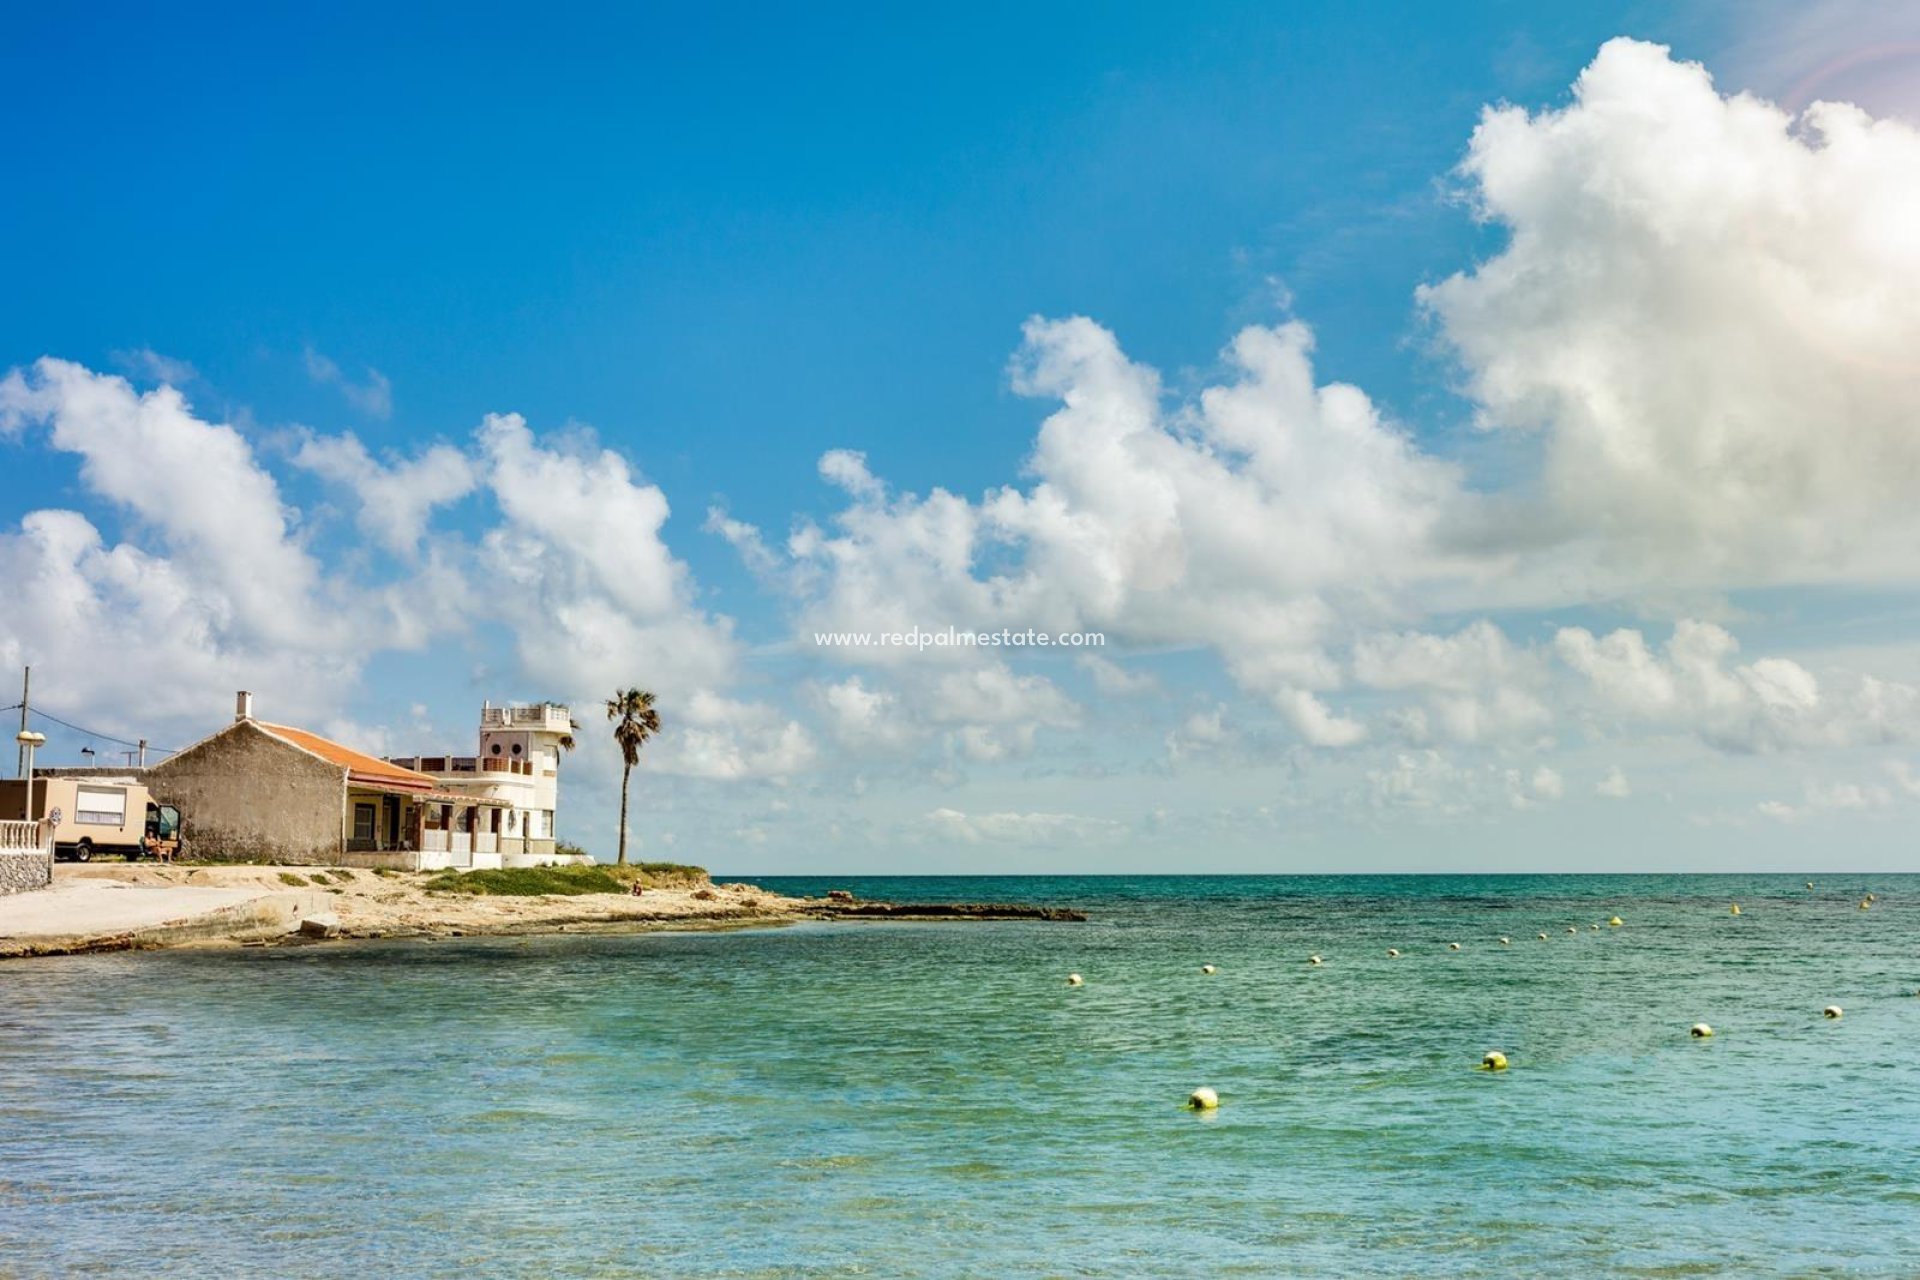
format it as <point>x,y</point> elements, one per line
<point>100,806</point>
<point>516,748</point>
<point>363,821</point>
<point>495,749</point>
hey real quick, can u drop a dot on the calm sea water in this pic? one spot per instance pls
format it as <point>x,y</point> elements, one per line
<point>933,1100</point>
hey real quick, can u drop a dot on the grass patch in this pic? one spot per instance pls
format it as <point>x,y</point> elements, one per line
<point>532,881</point>
<point>662,874</point>
<point>523,882</point>
<point>287,877</point>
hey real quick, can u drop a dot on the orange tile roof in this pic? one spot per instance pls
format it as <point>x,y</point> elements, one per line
<point>358,764</point>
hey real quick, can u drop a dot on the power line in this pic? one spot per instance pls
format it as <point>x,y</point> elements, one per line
<point>105,737</point>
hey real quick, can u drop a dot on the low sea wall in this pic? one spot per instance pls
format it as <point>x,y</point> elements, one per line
<point>25,869</point>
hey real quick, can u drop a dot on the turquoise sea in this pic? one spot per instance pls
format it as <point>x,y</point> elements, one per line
<point>878,1099</point>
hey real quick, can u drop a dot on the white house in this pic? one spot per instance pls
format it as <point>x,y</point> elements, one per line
<point>516,773</point>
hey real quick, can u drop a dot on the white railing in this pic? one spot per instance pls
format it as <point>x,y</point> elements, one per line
<point>26,837</point>
<point>541,715</point>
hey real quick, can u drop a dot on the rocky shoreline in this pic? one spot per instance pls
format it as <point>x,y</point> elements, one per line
<point>143,907</point>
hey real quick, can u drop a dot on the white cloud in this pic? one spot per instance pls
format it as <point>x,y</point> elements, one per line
<point>744,539</point>
<point>996,695</point>
<point>1478,686</point>
<point>372,396</point>
<point>1826,797</point>
<point>1613,784</point>
<point>145,362</point>
<point>196,484</point>
<point>1044,829</point>
<point>1200,733</point>
<point>395,499</point>
<point>579,570</point>
<point>1114,680</point>
<point>1547,784</point>
<point>723,739</point>
<point>1253,519</point>
<point>1706,308</point>
<point>143,638</point>
<point>863,717</point>
<point>1692,685</point>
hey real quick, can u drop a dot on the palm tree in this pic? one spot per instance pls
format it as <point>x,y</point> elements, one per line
<point>634,721</point>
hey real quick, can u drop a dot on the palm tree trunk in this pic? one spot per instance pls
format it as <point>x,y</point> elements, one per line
<point>626,772</point>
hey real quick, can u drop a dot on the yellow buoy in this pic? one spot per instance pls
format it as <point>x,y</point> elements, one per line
<point>1809,884</point>
<point>1865,903</point>
<point>1615,923</point>
<point>1206,968</point>
<point>1393,953</point>
<point>1203,1099</point>
<point>1870,898</point>
<point>1542,937</point>
<point>1505,941</point>
<point>1313,959</point>
<point>1494,1061</point>
<point>1571,929</point>
<point>1833,1011</point>
<point>1074,980</point>
<point>1453,946</point>
<point>1734,910</point>
<point>1701,1031</point>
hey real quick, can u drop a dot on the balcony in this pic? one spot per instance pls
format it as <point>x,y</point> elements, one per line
<point>462,764</point>
<point>548,716</point>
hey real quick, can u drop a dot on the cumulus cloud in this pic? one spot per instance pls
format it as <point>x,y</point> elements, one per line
<point>1254,519</point>
<point>722,739</point>
<point>1706,308</point>
<point>209,587</point>
<point>1693,684</point>
<point>861,717</point>
<point>395,499</point>
<point>195,484</point>
<point>578,569</point>
<point>1613,784</point>
<point>1477,685</point>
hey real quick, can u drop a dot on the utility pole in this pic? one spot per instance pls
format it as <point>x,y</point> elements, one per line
<point>26,687</point>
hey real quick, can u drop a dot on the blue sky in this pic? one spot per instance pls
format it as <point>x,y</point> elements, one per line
<point>723,244</point>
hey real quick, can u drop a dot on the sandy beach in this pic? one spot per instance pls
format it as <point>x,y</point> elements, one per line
<point>130,906</point>
<point>123,906</point>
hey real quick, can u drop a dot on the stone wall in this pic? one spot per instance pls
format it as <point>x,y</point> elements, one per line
<point>21,871</point>
<point>246,796</point>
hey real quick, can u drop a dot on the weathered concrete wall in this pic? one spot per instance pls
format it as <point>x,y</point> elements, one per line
<point>20,871</point>
<point>246,796</point>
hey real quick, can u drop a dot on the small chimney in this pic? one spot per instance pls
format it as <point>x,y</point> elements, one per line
<point>243,705</point>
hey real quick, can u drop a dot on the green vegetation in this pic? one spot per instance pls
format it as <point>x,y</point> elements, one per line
<point>567,849</point>
<point>287,877</point>
<point>527,881</point>
<point>532,881</point>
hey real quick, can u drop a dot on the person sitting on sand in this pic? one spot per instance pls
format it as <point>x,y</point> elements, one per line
<point>636,891</point>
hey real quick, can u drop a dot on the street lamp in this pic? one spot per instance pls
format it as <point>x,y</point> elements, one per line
<point>29,739</point>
